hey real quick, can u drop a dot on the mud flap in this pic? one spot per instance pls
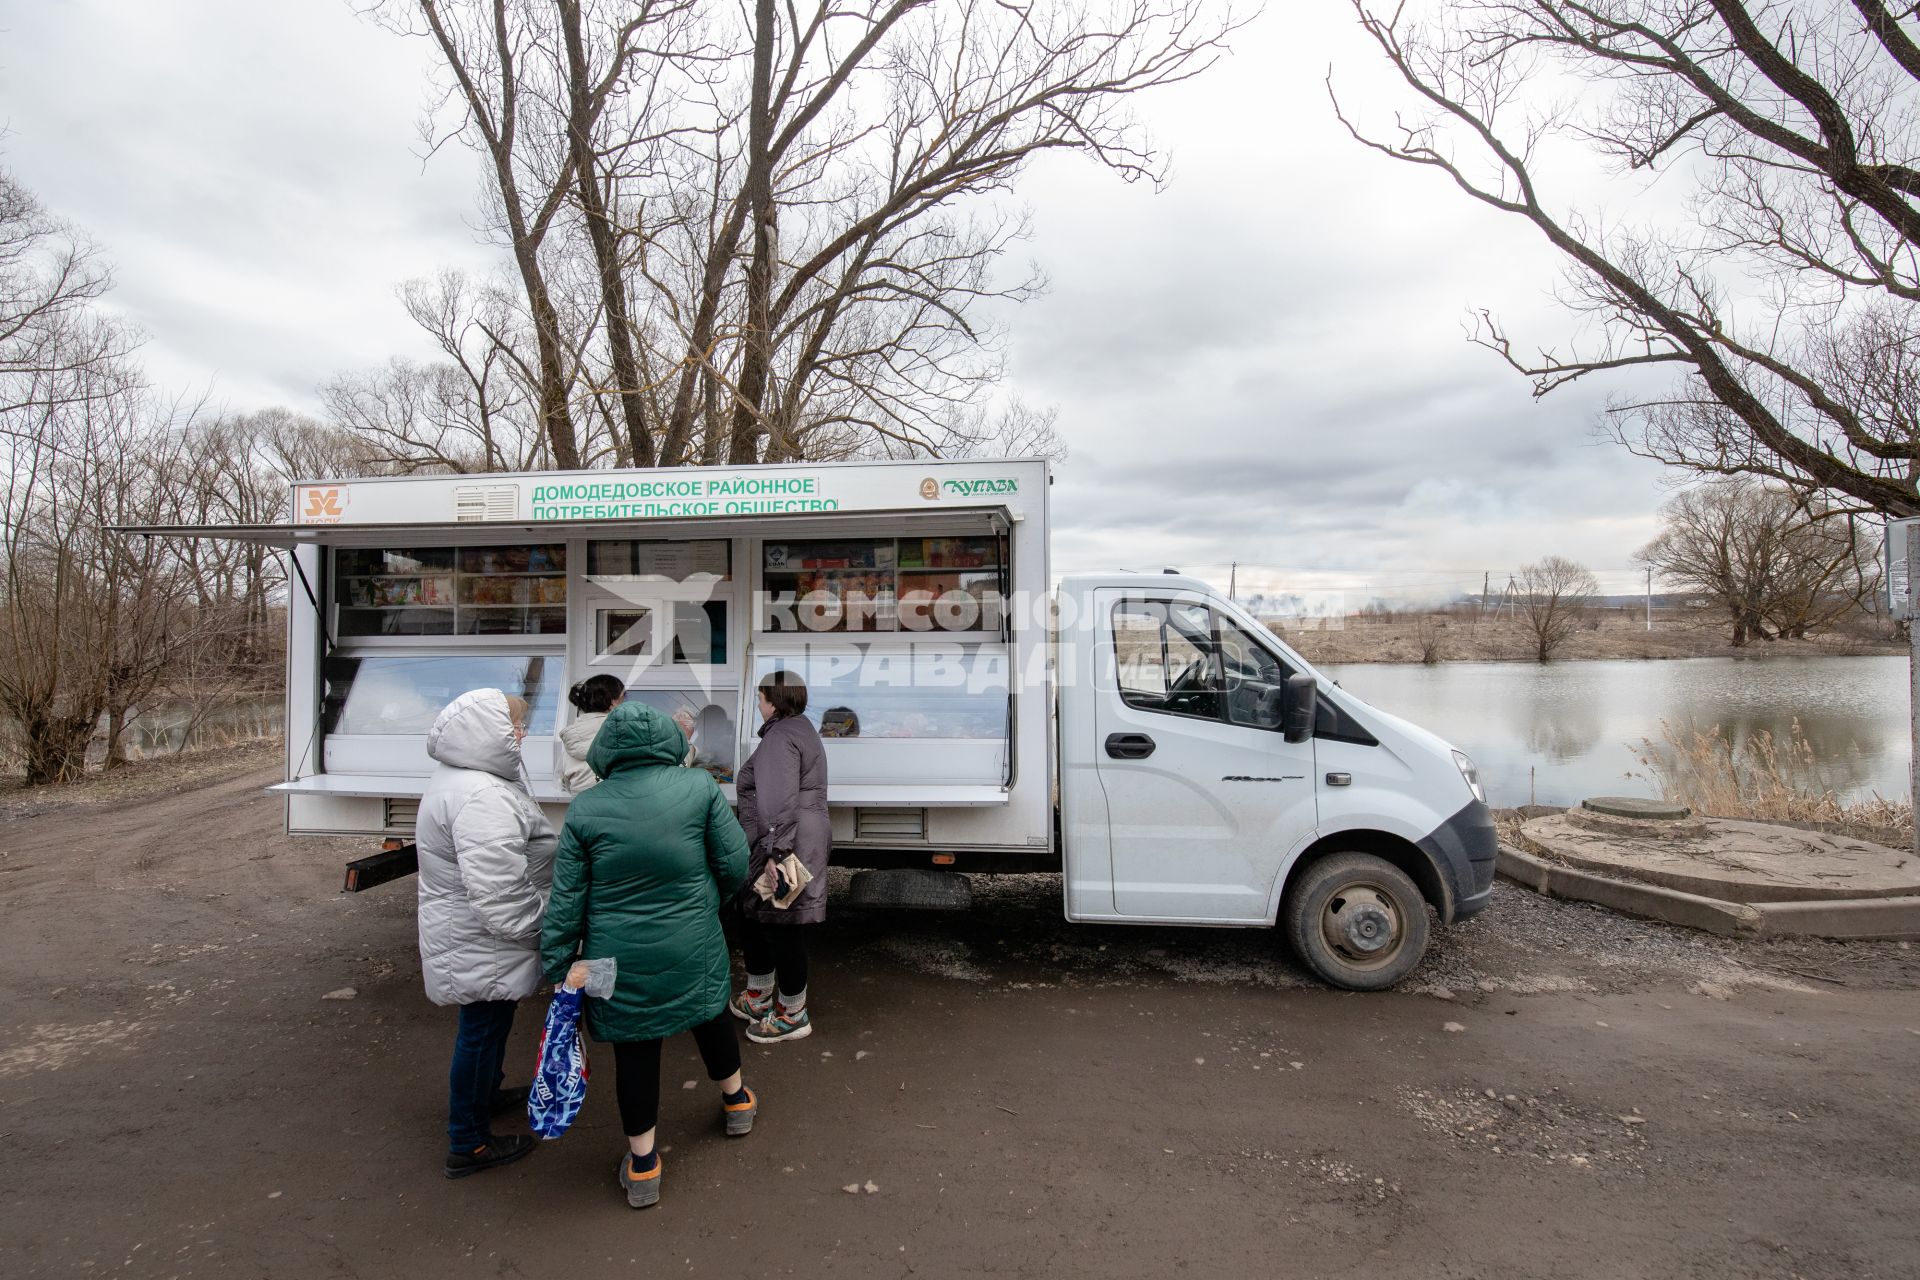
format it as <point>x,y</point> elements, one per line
<point>378,868</point>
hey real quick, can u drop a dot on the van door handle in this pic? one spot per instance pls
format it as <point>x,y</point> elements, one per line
<point>1129,746</point>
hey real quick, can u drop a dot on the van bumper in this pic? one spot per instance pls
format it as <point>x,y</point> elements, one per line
<point>1463,849</point>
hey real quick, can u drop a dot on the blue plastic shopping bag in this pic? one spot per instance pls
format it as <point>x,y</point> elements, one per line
<point>560,1083</point>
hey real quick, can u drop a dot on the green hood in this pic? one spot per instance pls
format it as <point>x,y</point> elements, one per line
<point>635,735</point>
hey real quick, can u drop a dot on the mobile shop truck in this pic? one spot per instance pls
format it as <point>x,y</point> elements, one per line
<point>1138,734</point>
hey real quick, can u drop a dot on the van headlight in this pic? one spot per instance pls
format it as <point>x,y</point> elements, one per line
<point>1471,775</point>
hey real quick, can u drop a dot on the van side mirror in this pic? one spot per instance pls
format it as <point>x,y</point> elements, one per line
<point>1303,701</point>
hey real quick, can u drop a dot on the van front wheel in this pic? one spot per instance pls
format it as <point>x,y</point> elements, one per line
<point>1357,921</point>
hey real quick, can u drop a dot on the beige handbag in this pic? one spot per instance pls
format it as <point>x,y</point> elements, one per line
<point>789,872</point>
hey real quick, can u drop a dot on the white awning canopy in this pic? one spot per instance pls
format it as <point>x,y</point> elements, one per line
<point>986,519</point>
<point>388,786</point>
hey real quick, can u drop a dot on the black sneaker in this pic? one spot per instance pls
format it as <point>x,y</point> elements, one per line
<point>498,1151</point>
<point>505,1100</point>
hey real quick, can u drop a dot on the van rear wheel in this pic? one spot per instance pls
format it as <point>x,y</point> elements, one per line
<point>1357,921</point>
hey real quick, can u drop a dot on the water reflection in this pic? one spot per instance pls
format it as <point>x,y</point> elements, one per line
<point>1562,732</point>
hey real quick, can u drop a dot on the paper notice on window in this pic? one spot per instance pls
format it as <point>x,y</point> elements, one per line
<point>678,561</point>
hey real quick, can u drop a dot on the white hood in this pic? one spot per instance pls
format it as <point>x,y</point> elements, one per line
<point>475,731</point>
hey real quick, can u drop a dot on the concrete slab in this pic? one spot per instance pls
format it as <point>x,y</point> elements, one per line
<point>1647,901</point>
<point>1848,918</point>
<point>1726,860</point>
<point>1636,807</point>
<point>1832,918</point>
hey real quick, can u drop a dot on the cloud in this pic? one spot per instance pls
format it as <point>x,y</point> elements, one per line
<point>1262,363</point>
<point>251,170</point>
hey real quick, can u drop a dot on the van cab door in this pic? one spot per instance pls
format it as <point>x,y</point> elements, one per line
<point>1204,796</point>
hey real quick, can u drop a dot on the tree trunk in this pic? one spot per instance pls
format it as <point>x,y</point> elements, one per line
<point>57,748</point>
<point>556,419</point>
<point>606,257</point>
<point>748,416</point>
<point>116,738</point>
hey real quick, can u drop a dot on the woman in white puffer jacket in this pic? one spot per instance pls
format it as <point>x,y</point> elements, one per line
<point>486,868</point>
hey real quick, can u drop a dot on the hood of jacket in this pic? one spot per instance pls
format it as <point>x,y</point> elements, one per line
<point>578,737</point>
<point>475,731</point>
<point>635,735</point>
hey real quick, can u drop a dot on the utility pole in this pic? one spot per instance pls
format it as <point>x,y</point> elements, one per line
<point>1233,578</point>
<point>1486,586</point>
<point>1649,597</point>
<point>1902,558</point>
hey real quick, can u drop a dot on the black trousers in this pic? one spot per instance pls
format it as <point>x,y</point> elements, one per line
<point>779,949</point>
<point>636,1070</point>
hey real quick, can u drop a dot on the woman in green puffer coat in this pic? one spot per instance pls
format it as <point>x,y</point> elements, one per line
<point>644,862</point>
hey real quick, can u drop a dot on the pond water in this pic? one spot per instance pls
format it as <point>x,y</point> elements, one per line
<point>178,726</point>
<point>1556,734</point>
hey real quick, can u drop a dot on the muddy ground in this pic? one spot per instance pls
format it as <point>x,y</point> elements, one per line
<point>1558,1093</point>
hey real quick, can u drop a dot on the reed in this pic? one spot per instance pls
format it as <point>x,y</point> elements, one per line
<point>1762,778</point>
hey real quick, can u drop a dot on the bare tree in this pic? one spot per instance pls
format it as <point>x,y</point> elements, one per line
<point>1774,562</point>
<point>50,276</point>
<point>1781,287</point>
<point>869,323</point>
<point>475,410</point>
<point>589,89</point>
<point>785,217</point>
<point>94,626</point>
<point>1554,594</point>
<point>501,90</point>
<point>88,621</point>
<point>1430,636</point>
<point>1018,430</point>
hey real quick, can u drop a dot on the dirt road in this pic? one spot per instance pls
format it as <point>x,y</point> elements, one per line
<point>1558,1093</point>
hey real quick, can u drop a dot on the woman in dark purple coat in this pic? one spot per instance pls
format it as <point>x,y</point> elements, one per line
<point>782,791</point>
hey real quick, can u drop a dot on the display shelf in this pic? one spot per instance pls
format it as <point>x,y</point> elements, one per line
<point>466,591</point>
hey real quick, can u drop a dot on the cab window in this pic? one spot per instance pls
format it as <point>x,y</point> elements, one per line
<point>1166,658</point>
<point>1254,680</point>
<point>1180,658</point>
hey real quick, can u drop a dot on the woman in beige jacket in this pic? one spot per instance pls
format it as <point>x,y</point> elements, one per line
<point>592,698</point>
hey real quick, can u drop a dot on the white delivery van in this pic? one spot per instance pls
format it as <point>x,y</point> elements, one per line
<point>1137,733</point>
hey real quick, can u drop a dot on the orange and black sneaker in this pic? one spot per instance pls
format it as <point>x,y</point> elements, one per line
<point>739,1115</point>
<point>643,1189</point>
<point>490,1155</point>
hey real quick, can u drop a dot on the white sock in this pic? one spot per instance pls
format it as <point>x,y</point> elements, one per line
<point>794,1003</point>
<point>759,982</point>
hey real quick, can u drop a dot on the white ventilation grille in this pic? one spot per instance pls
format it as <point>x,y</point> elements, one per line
<point>475,503</point>
<point>890,824</point>
<point>401,815</point>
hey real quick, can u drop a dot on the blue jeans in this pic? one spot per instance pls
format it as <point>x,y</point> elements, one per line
<point>479,1050</point>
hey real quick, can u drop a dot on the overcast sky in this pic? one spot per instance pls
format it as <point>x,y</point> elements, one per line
<point>1264,362</point>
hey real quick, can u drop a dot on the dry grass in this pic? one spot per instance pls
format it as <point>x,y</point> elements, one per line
<point>1464,636</point>
<point>1763,779</point>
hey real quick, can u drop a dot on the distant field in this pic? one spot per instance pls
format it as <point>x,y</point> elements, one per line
<point>1605,633</point>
